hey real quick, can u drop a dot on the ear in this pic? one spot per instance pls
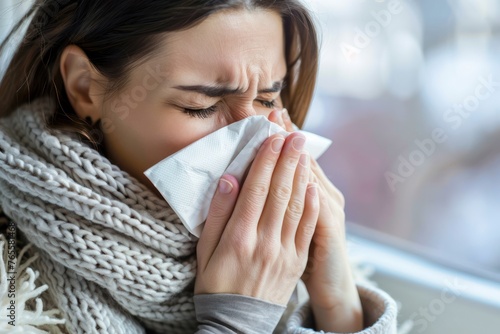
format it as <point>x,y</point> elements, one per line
<point>81,83</point>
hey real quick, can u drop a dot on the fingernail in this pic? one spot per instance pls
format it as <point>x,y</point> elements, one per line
<point>298,143</point>
<point>225,186</point>
<point>311,190</point>
<point>277,144</point>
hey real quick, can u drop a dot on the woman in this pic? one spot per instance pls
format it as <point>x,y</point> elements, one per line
<point>121,85</point>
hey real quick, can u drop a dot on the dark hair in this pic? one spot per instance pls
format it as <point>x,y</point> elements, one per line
<point>117,34</point>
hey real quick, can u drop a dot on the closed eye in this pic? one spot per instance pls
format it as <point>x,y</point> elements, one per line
<point>207,112</point>
<point>201,113</point>
<point>268,104</point>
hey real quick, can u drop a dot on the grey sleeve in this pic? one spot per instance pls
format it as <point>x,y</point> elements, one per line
<point>231,313</point>
<point>379,312</point>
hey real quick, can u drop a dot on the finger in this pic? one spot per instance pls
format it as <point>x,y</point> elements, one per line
<point>287,120</point>
<point>311,173</point>
<point>281,119</point>
<point>327,185</point>
<point>313,178</point>
<point>296,204</point>
<point>276,117</point>
<point>325,196</point>
<point>255,189</point>
<point>281,187</point>
<point>307,225</point>
<point>330,219</point>
<point>220,211</point>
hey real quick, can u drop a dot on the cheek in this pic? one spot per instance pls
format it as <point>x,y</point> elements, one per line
<point>161,133</point>
<point>148,133</point>
<point>175,134</point>
<point>152,131</point>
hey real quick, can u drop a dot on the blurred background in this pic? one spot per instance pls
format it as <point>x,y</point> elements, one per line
<point>409,92</point>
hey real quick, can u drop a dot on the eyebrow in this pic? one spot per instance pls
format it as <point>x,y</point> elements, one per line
<point>218,91</point>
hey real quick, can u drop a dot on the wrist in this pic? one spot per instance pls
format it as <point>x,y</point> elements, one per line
<point>345,315</point>
<point>341,319</point>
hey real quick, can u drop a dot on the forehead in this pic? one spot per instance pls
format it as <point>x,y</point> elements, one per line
<point>226,47</point>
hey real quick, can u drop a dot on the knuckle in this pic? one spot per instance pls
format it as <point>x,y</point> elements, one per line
<point>308,230</point>
<point>257,190</point>
<point>294,210</point>
<point>217,210</point>
<point>269,161</point>
<point>243,250</point>
<point>247,213</point>
<point>291,161</point>
<point>281,192</point>
<point>304,177</point>
<point>241,244</point>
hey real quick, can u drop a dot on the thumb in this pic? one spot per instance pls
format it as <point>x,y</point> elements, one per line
<point>221,209</point>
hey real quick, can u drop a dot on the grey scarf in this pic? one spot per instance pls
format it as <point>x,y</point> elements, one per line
<point>116,257</point>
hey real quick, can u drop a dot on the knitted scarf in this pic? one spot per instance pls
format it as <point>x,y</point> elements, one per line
<point>115,257</point>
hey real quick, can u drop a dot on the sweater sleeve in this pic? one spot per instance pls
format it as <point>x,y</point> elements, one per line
<point>379,311</point>
<point>232,313</point>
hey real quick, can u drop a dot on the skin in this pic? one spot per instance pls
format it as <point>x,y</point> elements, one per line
<point>329,269</point>
<point>259,237</point>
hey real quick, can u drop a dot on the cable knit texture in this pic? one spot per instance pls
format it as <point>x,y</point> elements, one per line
<point>116,257</point>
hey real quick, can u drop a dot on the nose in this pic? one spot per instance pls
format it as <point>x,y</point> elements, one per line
<point>245,105</point>
<point>242,110</point>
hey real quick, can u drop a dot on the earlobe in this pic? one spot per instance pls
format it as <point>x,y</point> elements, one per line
<point>78,76</point>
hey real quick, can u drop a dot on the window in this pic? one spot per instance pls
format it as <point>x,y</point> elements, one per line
<point>10,12</point>
<point>409,92</point>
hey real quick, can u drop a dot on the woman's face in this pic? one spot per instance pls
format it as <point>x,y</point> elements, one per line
<point>228,67</point>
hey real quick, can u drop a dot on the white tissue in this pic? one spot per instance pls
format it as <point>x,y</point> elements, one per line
<point>189,178</point>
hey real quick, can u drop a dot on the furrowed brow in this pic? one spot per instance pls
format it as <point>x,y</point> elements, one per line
<point>219,91</point>
<point>277,87</point>
<point>211,91</point>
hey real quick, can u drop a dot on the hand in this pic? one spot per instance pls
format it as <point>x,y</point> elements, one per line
<point>328,277</point>
<point>256,243</point>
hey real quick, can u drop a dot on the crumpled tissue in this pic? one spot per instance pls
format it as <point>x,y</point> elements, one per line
<point>188,179</point>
